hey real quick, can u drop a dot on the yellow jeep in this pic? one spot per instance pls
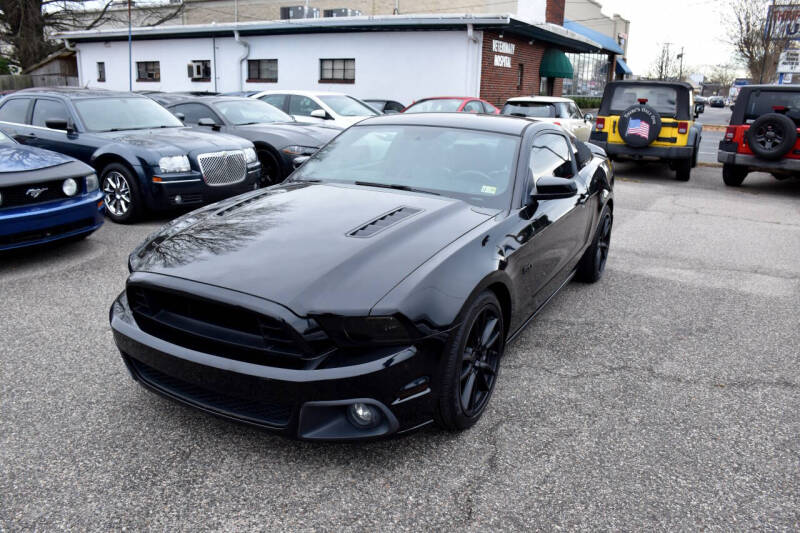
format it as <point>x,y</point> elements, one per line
<point>649,120</point>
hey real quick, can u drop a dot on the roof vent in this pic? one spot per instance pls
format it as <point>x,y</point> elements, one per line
<point>382,222</point>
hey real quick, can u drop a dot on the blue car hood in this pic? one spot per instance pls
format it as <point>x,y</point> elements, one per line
<point>18,158</point>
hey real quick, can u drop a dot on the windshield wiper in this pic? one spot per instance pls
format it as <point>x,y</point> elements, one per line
<point>395,186</point>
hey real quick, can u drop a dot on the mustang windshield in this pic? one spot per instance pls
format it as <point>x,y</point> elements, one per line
<point>125,113</point>
<point>470,165</point>
<point>251,111</point>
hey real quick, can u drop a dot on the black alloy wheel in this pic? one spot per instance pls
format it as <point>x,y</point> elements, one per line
<point>270,170</point>
<point>593,263</point>
<point>771,136</point>
<point>480,361</point>
<point>471,364</point>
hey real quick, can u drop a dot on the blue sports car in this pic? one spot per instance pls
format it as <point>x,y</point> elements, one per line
<point>45,196</point>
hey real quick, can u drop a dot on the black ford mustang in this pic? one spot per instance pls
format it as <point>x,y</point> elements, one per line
<point>374,291</point>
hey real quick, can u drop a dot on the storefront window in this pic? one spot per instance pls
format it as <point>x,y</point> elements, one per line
<point>590,74</point>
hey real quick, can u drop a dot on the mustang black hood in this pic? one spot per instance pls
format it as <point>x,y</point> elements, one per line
<point>293,245</point>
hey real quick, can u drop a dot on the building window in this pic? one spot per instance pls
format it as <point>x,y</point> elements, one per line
<point>337,70</point>
<point>520,76</point>
<point>148,71</point>
<point>262,70</point>
<point>101,71</point>
<point>200,70</point>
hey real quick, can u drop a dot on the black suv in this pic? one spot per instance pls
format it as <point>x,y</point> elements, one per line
<point>144,155</point>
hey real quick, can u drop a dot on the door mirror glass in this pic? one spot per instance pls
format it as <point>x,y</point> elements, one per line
<point>553,188</point>
<point>319,113</point>
<point>57,124</point>
<point>588,117</point>
<point>206,122</point>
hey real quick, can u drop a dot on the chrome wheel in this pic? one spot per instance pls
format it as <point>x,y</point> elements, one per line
<point>603,244</point>
<point>480,361</point>
<point>117,193</point>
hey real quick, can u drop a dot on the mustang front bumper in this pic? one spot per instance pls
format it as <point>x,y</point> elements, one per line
<point>50,221</point>
<point>305,404</point>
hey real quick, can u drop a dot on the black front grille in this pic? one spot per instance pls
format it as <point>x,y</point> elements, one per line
<point>266,412</point>
<point>33,193</point>
<point>39,234</point>
<point>221,329</point>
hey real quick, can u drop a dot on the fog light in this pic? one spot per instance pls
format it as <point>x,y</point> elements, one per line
<point>363,416</point>
<point>178,199</point>
<point>70,187</point>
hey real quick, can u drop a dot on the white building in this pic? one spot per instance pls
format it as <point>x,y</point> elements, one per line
<point>395,57</point>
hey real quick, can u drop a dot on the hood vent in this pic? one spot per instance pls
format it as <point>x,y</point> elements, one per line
<point>382,222</point>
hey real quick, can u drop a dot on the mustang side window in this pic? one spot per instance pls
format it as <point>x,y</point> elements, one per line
<point>550,156</point>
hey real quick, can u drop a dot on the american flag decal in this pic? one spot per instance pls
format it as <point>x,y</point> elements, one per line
<point>638,127</point>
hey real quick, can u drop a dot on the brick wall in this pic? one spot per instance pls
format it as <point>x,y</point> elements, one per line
<point>554,11</point>
<point>498,84</point>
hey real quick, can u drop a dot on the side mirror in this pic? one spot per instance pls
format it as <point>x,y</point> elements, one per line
<point>209,122</point>
<point>588,117</point>
<point>552,188</point>
<point>58,124</point>
<point>180,116</point>
<point>319,113</point>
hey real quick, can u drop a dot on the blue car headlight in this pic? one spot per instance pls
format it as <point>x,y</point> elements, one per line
<point>174,163</point>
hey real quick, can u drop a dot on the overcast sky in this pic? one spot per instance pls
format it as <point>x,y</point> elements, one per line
<point>695,25</point>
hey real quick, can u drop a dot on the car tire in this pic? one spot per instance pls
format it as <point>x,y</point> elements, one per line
<point>120,193</point>
<point>470,364</point>
<point>732,175</point>
<point>683,169</point>
<point>270,169</point>
<point>771,136</point>
<point>593,263</point>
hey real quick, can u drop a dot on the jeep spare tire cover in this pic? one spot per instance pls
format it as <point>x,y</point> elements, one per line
<point>639,125</point>
<point>771,136</point>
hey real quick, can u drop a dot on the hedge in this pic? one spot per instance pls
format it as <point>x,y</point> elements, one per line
<point>586,102</point>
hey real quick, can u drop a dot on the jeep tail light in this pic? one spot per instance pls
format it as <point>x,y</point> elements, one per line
<point>600,123</point>
<point>557,123</point>
<point>779,108</point>
<point>683,127</point>
<point>642,101</point>
<point>730,133</point>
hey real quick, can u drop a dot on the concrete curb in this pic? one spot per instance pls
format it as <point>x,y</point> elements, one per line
<point>714,127</point>
<point>709,164</point>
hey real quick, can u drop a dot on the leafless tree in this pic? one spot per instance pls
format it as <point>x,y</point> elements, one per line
<point>27,25</point>
<point>754,37</point>
<point>665,66</point>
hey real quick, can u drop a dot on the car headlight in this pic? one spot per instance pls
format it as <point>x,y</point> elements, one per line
<point>250,155</point>
<point>91,183</point>
<point>174,163</point>
<point>368,330</point>
<point>300,150</point>
<point>70,187</point>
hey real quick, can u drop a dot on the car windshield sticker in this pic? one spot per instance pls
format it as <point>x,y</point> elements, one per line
<point>488,189</point>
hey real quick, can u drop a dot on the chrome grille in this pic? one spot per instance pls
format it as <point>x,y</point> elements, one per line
<point>223,168</point>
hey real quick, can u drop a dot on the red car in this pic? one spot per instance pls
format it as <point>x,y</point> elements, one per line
<point>452,104</point>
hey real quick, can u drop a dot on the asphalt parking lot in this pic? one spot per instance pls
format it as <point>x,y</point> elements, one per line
<point>665,396</point>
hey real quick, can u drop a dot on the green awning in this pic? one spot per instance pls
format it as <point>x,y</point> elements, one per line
<point>555,64</point>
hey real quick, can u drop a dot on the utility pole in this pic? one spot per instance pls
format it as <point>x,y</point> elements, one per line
<point>680,72</point>
<point>130,48</point>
